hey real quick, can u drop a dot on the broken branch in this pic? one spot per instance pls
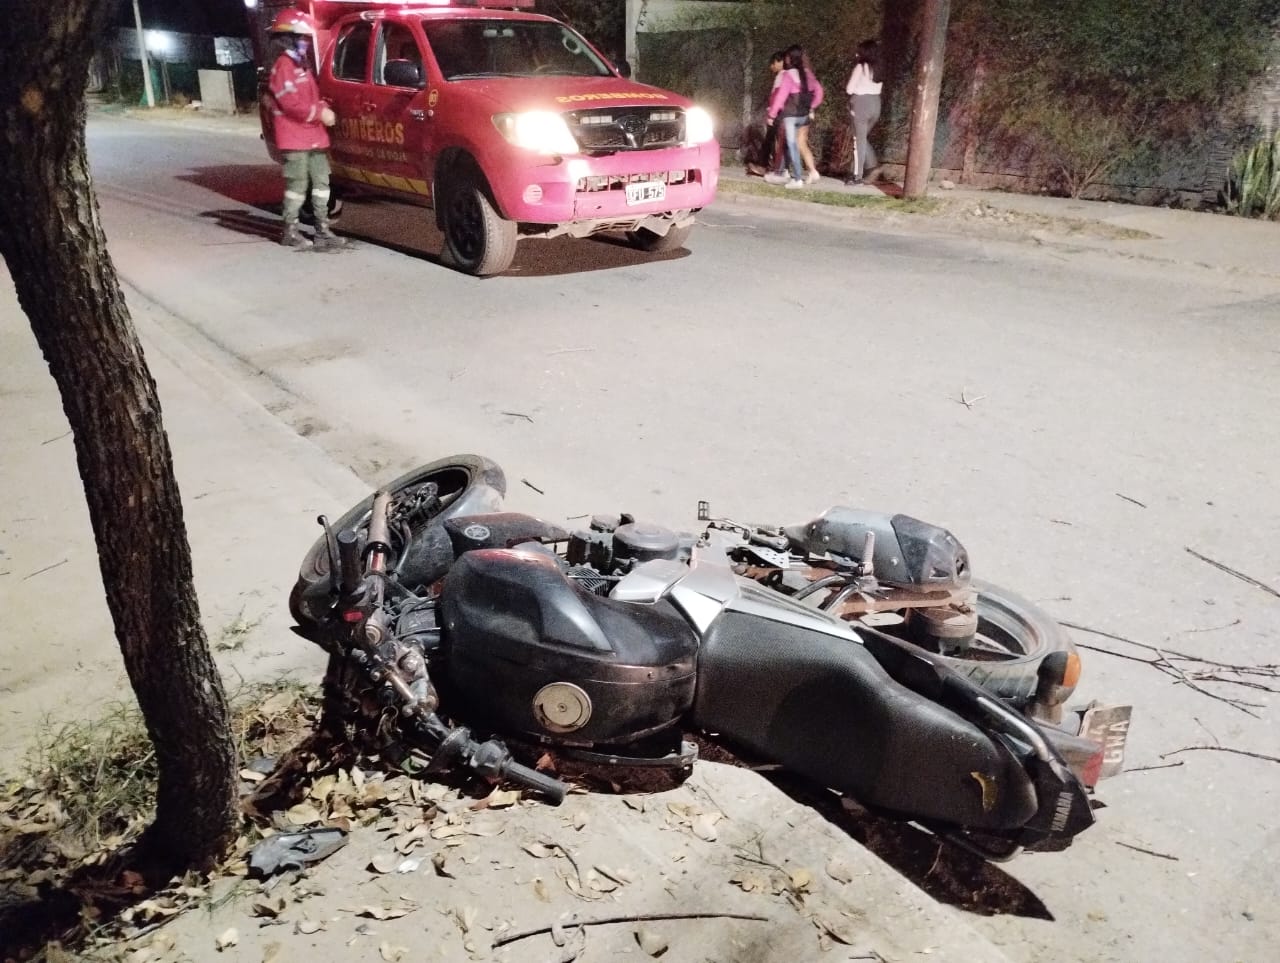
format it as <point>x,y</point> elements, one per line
<point>1238,752</point>
<point>1149,852</point>
<point>1240,575</point>
<point>629,918</point>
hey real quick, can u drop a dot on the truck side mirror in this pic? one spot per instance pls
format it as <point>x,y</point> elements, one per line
<point>403,73</point>
<point>624,68</point>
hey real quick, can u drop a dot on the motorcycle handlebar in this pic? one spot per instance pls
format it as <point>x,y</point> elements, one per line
<point>552,789</point>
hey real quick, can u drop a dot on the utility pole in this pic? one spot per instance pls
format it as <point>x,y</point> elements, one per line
<point>142,50</point>
<point>934,17</point>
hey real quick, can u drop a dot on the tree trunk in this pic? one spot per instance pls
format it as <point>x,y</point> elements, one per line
<point>56,252</point>
<point>924,109</point>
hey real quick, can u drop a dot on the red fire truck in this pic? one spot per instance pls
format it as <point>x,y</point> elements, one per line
<point>507,123</point>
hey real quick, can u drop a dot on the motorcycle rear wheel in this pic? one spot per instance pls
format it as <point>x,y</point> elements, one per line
<point>468,485</point>
<point>1014,636</point>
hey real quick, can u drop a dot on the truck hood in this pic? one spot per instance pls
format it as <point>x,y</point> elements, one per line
<point>564,93</point>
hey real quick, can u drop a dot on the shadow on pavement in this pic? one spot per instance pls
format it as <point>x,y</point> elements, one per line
<point>944,871</point>
<point>407,229</point>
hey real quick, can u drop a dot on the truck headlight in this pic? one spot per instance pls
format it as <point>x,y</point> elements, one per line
<point>542,131</point>
<point>698,126</point>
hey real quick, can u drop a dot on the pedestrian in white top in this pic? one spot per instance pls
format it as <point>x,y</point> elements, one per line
<point>864,108</point>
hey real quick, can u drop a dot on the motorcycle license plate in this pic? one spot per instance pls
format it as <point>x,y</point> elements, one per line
<point>646,192</point>
<point>1109,727</point>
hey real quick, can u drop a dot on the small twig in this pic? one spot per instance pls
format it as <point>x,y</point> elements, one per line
<point>1128,499</point>
<point>969,402</point>
<point>630,918</point>
<point>532,485</point>
<point>1216,740</point>
<point>568,350</point>
<point>1215,628</point>
<point>59,438</point>
<point>1059,521</point>
<point>1149,852</point>
<point>1167,765</point>
<point>1239,752</point>
<point>517,414</point>
<point>1240,575</point>
<point>1164,663</point>
<point>45,569</point>
<point>1168,668</point>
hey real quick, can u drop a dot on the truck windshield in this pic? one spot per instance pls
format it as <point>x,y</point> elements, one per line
<point>510,48</point>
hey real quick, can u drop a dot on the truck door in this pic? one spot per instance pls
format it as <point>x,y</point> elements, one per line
<point>345,80</point>
<point>396,122</point>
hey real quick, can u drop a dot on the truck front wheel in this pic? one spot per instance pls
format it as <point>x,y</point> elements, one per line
<point>655,243</point>
<point>477,239</point>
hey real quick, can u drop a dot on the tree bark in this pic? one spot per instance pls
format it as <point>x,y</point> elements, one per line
<point>924,109</point>
<point>66,283</point>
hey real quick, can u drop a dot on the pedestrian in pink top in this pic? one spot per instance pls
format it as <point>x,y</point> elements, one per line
<point>794,100</point>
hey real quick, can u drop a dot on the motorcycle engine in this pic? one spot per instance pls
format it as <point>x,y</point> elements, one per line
<point>615,544</point>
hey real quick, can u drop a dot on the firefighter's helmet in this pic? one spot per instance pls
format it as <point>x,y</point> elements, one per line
<point>293,21</point>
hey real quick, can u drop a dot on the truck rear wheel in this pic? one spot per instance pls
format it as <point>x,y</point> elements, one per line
<point>655,243</point>
<point>477,239</point>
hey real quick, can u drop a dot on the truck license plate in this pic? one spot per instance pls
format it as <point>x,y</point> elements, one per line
<point>645,192</point>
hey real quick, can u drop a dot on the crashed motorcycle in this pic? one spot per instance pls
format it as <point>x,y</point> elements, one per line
<point>855,650</point>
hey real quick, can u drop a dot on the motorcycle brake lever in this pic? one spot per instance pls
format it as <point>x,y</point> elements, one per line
<point>331,546</point>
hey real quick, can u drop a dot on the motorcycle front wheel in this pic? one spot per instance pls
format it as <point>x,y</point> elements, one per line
<point>466,485</point>
<point>1014,636</point>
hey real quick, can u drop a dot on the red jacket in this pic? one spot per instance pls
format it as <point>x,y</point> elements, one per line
<point>295,106</point>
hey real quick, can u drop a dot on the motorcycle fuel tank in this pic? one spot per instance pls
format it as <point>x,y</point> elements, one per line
<point>531,652</point>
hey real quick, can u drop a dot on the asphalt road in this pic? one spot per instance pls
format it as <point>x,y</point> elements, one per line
<point>1079,421</point>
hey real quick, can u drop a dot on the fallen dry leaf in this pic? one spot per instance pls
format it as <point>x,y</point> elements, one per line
<point>229,937</point>
<point>839,870</point>
<point>539,850</point>
<point>385,912</point>
<point>267,907</point>
<point>801,879</point>
<point>385,862</point>
<point>651,942</point>
<point>704,826</point>
<point>839,927</point>
<point>540,890</point>
<point>271,953</point>
<point>636,804</point>
<point>498,799</point>
<point>619,876</point>
<point>307,926</point>
<point>750,882</point>
<point>579,821</point>
<point>303,814</point>
<point>441,865</point>
<point>391,953</point>
<point>466,917</point>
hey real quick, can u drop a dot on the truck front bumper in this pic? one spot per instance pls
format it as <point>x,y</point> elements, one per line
<point>582,195</point>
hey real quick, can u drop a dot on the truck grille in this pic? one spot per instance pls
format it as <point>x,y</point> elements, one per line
<point>608,129</point>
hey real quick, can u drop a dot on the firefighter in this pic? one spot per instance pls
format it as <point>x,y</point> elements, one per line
<point>300,118</point>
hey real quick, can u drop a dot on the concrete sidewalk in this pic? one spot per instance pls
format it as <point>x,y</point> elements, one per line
<point>1203,240</point>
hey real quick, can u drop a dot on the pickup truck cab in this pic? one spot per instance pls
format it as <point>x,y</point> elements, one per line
<point>507,123</point>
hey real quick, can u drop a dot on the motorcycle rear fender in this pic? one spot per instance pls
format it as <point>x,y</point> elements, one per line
<point>821,705</point>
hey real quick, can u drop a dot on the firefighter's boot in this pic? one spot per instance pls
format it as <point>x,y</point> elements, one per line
<point>326,240</point>
<point>294,238</point>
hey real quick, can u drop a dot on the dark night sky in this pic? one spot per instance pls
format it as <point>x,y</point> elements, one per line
<point>224,18</point>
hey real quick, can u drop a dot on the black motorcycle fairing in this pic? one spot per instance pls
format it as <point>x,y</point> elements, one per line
<point>499,530</point>
<point>905,551</point>
<point>513,624</point>
<point>822,706</point>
